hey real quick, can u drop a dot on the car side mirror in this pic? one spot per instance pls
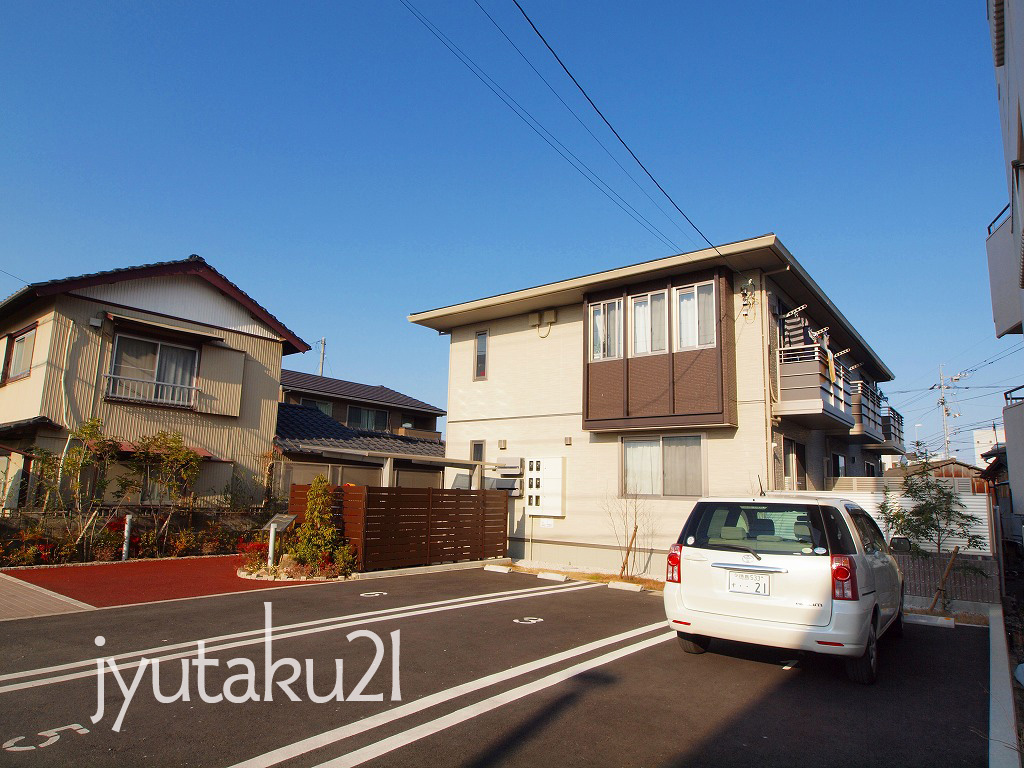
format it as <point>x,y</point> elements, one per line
<point>899,544</point>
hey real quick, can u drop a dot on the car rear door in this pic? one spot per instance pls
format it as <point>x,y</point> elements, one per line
<point>785,578</point>
<point>877,557</point>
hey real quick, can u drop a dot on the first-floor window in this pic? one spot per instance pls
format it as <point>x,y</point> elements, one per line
<point>367,418</point>
<point>606,330</point>
<point>838,465</point>
<point>795,465</point>
<point>153,371</point>
<point>663,466</point>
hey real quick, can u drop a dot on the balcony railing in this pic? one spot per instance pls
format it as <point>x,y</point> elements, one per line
<point>812,387</point>
<point>892,426</point>
<point>867,410</point>
<point>153,392</point>
<point>422,434</point>
<point>997,221</point>
<point>1014,396</point>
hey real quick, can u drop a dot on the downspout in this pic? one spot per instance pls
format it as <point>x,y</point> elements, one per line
<point>66,400</point>
<point>766,364</point>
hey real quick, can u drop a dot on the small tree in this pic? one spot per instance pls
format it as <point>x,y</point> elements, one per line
<point>632,525</point>
<point>318,544</point>
<point>934,514</point>
<point>162,462</point>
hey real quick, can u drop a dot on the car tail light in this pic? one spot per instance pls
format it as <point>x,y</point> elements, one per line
<point>844,578</point>
<point>672,567</point>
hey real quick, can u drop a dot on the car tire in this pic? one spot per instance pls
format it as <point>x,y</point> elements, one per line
<point>693,643</point>
<point>864,669</point>
<point>896,628</point>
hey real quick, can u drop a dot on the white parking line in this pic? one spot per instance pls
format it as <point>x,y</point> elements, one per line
<point>360,756</point>
<point>335,735</point>
<point>256,637</point>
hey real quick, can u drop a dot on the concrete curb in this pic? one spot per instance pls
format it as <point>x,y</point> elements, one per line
<point>498,568</point>
<point>935,621</point>
<point>113,562</point>
<point>625,585</point>
<point>430,569</point>
<point>1003,749</point>
<point>552,576</point>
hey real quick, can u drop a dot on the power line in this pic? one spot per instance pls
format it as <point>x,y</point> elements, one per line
<point>579,120</point>
<point>537,127</point>
<point>612,128</point>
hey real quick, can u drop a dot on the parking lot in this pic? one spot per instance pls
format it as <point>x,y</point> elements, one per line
<point>471,668</point>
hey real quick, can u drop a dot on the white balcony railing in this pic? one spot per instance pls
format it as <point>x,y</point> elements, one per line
<point>155,392</point>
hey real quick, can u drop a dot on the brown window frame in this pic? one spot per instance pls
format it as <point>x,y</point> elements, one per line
<point>9,353</point>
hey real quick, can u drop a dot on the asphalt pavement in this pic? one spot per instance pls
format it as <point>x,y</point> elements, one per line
<point>468,668</point>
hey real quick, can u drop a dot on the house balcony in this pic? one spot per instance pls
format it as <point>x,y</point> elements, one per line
<point>892,433</point>
<point>151,392</point>
<point>814,390</point>
<point>867,413</point>
<point>422,434</point>
<point>1003,248</point>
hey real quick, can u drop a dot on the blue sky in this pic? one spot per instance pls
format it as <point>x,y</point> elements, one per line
<point>342,166</point>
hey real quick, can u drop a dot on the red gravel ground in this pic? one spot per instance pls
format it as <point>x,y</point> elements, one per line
<point>142,581</point>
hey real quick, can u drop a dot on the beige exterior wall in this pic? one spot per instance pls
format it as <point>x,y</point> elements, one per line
<point>238,378</point>
<point>22,399</point>
<point>532,398</point>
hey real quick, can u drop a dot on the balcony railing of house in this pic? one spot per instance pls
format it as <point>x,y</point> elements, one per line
<point>796,363</point>
<point>153,392</point>
<point>867,408</point>
<point>892,426</point>
<point>1014,396</point>
<point>422,434</point>
<point>998,220</point>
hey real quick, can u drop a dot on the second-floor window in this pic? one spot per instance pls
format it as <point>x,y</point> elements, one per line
<point>19,350</point>
<point>324,405</point>
<point>606,330</point>
<point>649,321</point>
<point>480,356</point>
<point>367,418</point>
<point>695,316</point>
<point>153,371</point>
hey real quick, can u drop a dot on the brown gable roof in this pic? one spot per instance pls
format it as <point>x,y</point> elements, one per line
<point>295,381</point>
<point>193,265</point>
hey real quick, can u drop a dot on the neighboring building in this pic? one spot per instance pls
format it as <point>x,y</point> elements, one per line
<point>172,346</point>
<point>311,443</point>
<point>943,468</point>
<point>1005,245</point>
<point>984,441</point>
<point>725,371</point>
<point>362,406</point>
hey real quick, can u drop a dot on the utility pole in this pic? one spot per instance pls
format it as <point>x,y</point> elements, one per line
<point>945,413</point>
<point>323,350</point>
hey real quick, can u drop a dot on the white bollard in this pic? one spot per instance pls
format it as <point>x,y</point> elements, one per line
<point>270,549</point>
<point>127,536</point>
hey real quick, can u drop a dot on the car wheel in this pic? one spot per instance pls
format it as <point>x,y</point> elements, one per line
<point>693,643</point>
<point>864,670</point>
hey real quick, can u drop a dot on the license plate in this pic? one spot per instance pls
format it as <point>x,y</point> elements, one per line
<point>749,583</point>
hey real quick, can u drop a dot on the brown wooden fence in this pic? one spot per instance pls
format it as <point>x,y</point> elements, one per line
<point>921,576</point>
<point>402,527</point>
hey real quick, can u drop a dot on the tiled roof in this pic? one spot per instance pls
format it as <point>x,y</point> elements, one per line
<point>350,390</point>
<point>305,429</point>
<point>192,265</point>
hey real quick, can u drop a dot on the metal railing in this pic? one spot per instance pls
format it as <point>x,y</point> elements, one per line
<point>156,392</point>
<point>892,425</point>
<point>870,405</point>
<point>1014,396</point>
<point>835,390</point>
<point>992,227</point>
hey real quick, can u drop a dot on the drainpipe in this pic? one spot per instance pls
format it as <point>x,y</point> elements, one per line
<point>767,373</point>
<point>66,401</point>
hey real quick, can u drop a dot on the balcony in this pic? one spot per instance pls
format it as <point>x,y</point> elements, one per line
<point>151,392</point>
<point>1014,396</point>
<point>813,390</point>
<point>867,413</point>
<point>892,433</point>
<point>422,434</point>
<point>1003,247</point>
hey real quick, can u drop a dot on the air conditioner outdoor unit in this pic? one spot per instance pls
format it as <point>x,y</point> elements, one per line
<point>510,466</point>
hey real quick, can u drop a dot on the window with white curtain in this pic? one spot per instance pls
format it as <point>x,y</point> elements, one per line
<point>367,418</point>
<point>20,362</point>
<point>695,316</point>
<point>153,371</point>
<point>325,406</point>
<point>606,330</point>
<point>663,466</point>
<point>649,321</point>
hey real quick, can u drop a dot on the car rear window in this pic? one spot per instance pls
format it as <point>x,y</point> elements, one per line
<point>774,529</point>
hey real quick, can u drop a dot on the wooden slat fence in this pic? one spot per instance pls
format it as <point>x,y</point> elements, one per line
<point>403,527</point>
<point>921,576</point>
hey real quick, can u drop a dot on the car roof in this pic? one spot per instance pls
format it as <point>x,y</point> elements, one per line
<point>780,499</point>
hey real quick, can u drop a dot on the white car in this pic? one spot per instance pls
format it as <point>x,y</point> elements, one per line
<point>812,574</point>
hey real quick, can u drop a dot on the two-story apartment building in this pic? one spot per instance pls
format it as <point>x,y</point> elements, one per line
<point>635,391</point>
<point>172,346</point>
<point>1005,244</point>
